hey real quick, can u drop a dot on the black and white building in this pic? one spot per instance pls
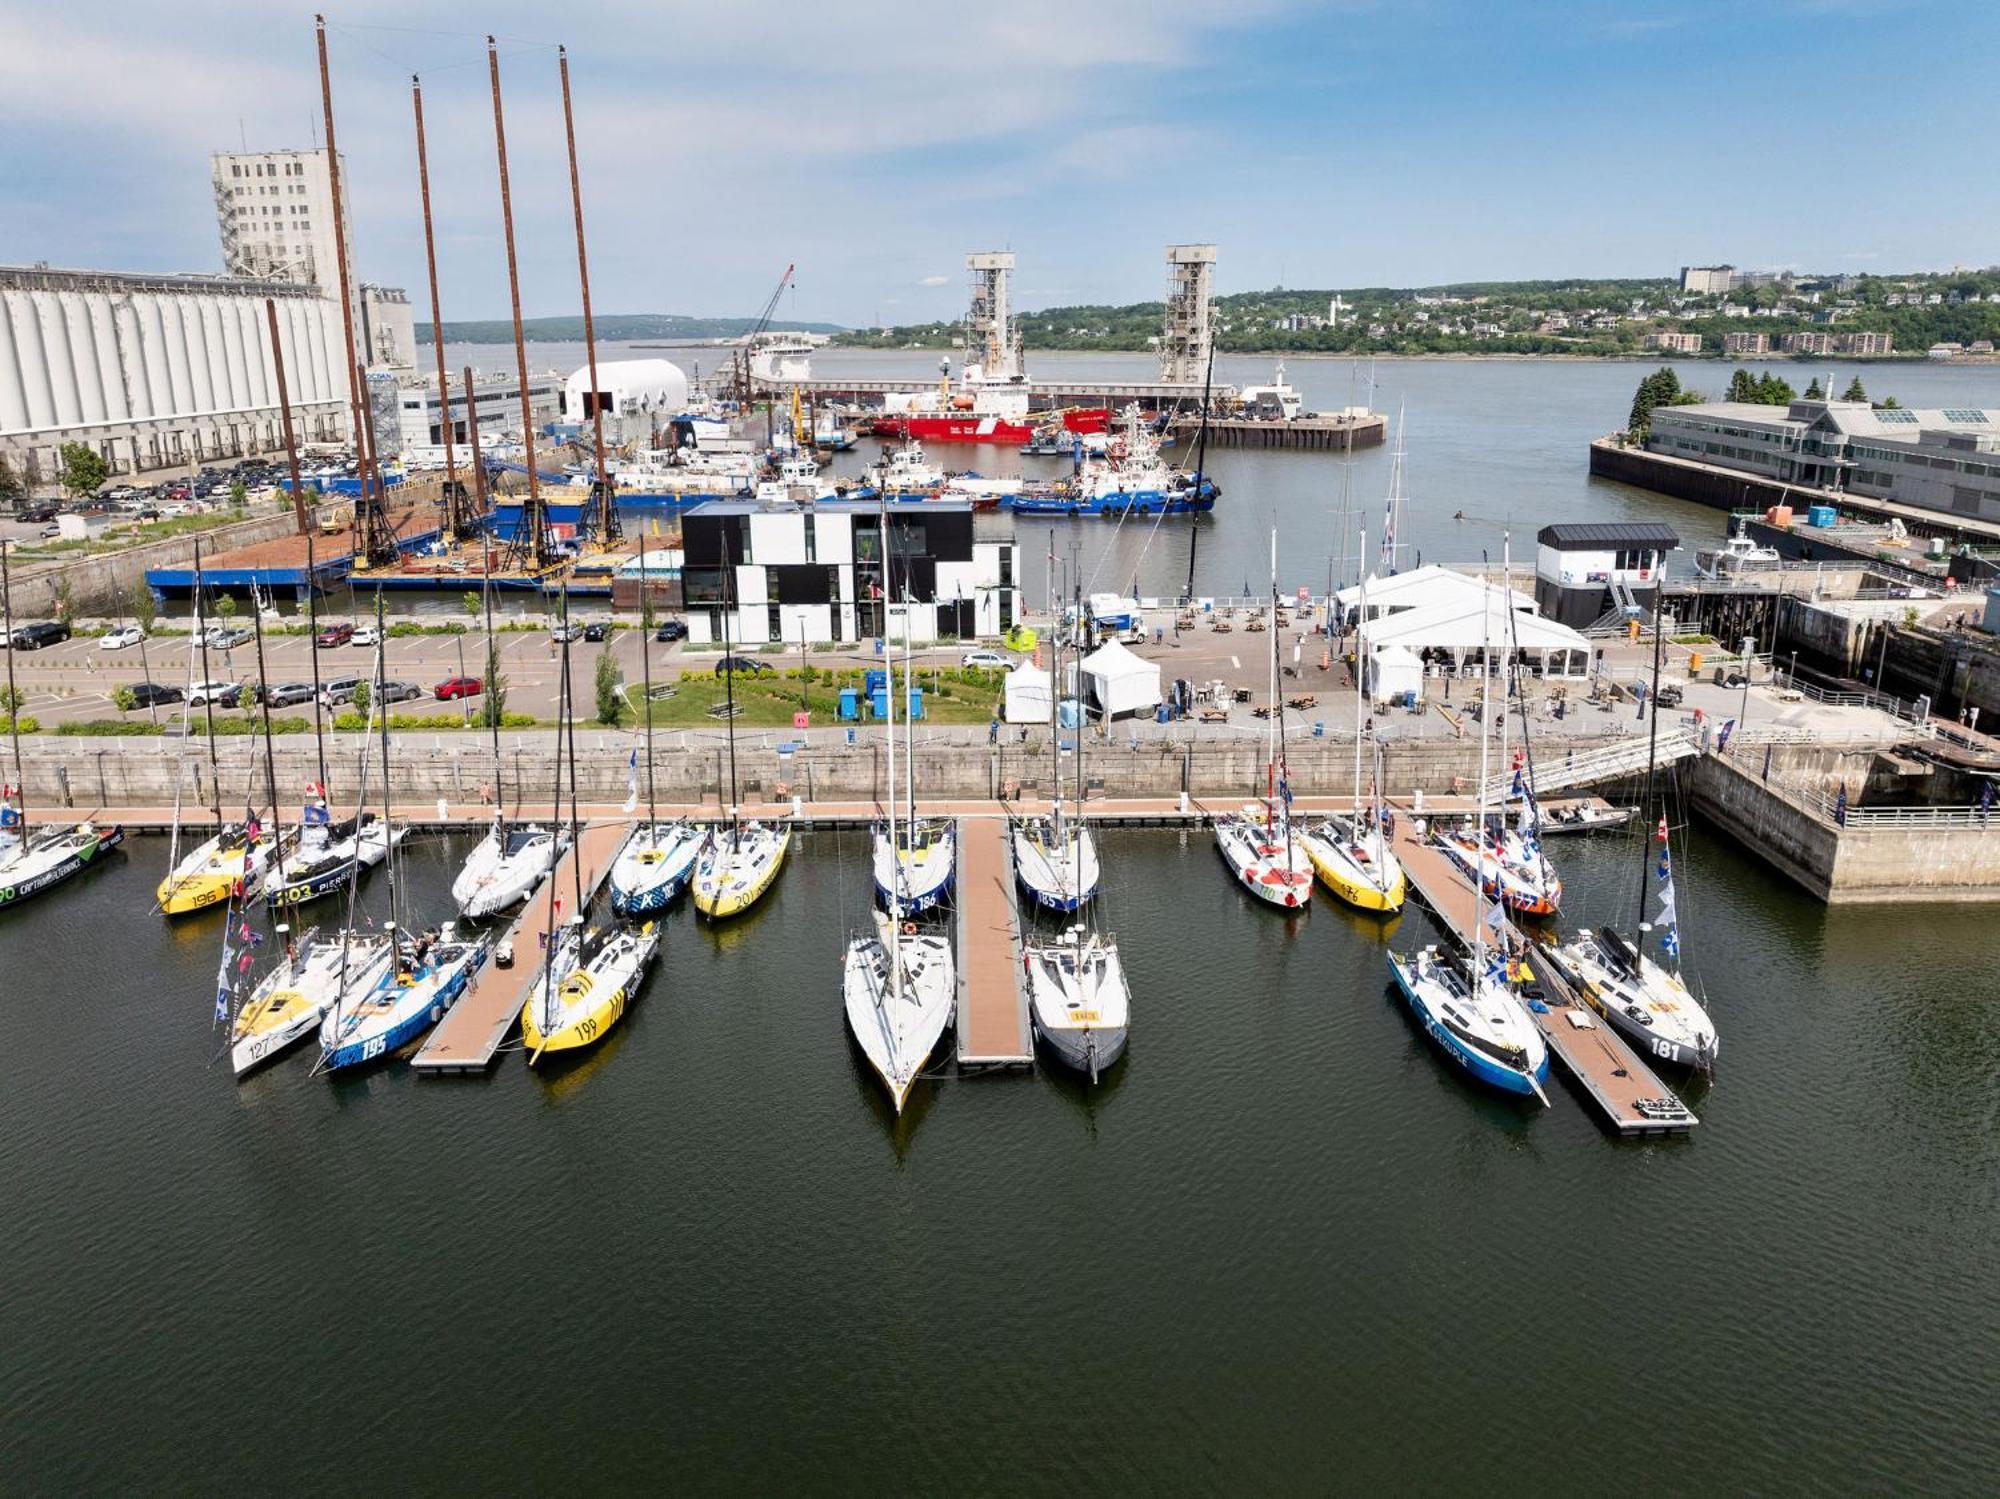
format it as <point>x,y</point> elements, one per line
<point>1583,570</point>
<point>827,572</point>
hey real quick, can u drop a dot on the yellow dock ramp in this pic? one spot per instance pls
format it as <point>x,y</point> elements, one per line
<point>471,1033</point>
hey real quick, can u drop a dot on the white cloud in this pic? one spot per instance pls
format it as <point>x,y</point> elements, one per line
<point>934,281</point>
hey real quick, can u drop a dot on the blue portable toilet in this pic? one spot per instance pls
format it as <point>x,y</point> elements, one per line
<point>1821,515</point>
<point>850,704</point>
<point>916,704</point>
<point>876,681</point>
<point>878,702</point>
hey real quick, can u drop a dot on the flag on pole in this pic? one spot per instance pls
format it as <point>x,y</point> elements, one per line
<point>1767,762</point>
<point>1722,737</point>
<point>1670,941</point>
<point>632,782</point>
<point>1660,833</point>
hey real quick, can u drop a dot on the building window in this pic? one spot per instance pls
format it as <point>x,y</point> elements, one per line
<point>812,540</point>
<point>775,622</point>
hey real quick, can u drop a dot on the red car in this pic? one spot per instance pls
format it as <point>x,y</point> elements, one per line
<point>452,687</point>
<point>332,635</point>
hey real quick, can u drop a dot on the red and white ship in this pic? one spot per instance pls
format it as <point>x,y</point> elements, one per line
<point>990,402</point>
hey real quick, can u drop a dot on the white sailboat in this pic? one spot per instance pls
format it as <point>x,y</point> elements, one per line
<point>1259,844</point>
<point>914,863</point>
<point>1079,998</point>
<point>325,854</point>
<point>1469,1008</point>
<point>897,986</point>
<point>292,1000</point>
<point>657,859</point>
<point>1055,857</point>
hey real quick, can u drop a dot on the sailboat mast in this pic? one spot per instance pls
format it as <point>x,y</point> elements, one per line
<point>207,698</point>
<point>270,760</point>
<point>1200,455</point>
<point>555,823</point>
<point>454,518</point>
<point>568,729</point>
<point>889,800</point>
<point>13,693</point>
<point>1055,694</point>
<point>607,518</point>
<point>531,515</point>
<point>312,628</point>
<point>1485,726</point>
<point>1271,723</point>
<point>491,684</point>
<point>646,681</point>
<point>381,706</point>
<point>1652,751</point>
<point>1360,700</point>
<point>729,676</point>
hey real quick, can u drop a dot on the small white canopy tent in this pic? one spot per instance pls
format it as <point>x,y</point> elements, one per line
<point>1392,671</point>
<point>1029,694</point>
<point>1421,588</point>
<point>1120,682</point>
<point>1457,631</point>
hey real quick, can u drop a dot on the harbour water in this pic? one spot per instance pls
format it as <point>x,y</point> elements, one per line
<point>1281,1249</point>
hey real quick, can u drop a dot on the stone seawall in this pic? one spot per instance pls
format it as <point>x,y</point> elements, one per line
<point>105,585</point>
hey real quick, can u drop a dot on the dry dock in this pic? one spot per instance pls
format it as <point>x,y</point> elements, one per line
<point>472,1031</point>
<point>993,1029</point>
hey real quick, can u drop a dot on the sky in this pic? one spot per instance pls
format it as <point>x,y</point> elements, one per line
<point>1338,144</point>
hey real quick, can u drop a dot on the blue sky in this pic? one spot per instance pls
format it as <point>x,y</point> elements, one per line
<point>1335,144</point>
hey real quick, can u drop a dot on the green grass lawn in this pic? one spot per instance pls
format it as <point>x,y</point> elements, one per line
<point>769,702</point>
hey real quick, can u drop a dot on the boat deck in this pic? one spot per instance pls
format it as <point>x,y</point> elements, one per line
<point>993,1029</point>
<point>472,1031</point>
<point>1628,1093</point>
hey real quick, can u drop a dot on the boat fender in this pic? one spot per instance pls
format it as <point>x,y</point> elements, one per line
<point>909,929</point>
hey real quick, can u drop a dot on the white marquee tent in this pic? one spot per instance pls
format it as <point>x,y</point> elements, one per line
<point>1459,630</point>
<point>1120,682</point>
<point>1029,694</point>
<point>1421,588</point>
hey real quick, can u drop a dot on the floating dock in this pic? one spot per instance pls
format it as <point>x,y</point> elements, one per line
<point>1335,434</point>
<point>471,1033</point>
<point>280,565</point>
<point>1626,1091</point>
<point>993,1028</point>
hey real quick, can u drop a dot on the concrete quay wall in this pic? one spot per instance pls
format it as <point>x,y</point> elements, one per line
<point>105,584</point>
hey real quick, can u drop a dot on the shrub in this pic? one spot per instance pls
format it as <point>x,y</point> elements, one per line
<point>109,728</point>
<point>26,723</point>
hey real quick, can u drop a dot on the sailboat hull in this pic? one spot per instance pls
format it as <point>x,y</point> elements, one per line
<point>21,880</point>
<point>649,877</point>
<point>1056,879</point>
<point>922,877</point>
<point>1276,873</point>
<point>296,1006</point>
<point>396,1014</point>
<point>210,876</point>
<point>1382,891</point>
<point>1481,1068</point>
<point>592,1001</point>
<point>898,1028</point>
<point>726,886</point>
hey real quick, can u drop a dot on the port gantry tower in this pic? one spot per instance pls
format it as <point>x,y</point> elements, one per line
<point>989,324</point>
<point>1184,341</point>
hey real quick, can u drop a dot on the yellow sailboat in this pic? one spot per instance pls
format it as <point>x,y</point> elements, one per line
<point>590,998</point>
<point>229,862</point>
<point>737,866</point>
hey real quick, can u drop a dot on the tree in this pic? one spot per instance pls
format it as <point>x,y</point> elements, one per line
<point>11,699</point>
<point>82,469</point>
<point>1854,392</point>
<point>239,494</point>
<point>11,485</point>
<point>1813,392</point>
<point>469,602</point>
<point>124,699</point>
<point>494,704</point>
<point>225,606</point>
<point>1890,403</point>
<point>1657,389</point>
<point>145,608</point>
<point>362,695</point>
<point>1772,391</point>
<point>65,600</point>
<point>610,701</point>
<point>1743,387</point>
<point>246,699</point>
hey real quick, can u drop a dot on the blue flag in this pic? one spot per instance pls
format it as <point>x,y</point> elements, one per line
<point>1840,806</point>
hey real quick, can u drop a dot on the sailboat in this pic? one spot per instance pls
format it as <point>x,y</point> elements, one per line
<point>33,860</point>
<point>1055,857</point>
<point>599,978</point>
<point>427,973</point>
<point>1468,1007</point>
<point>506,865</point>
<point>1352,852</point>
<point>292,1000</point>
<point>1258,844</point>
<point>897,986</point>
<point>326,853</point>
<point>231,862</point>
<point>739,861</point>
<point>1644,999</point>
<point>657,858</point>
<point>913,863</point>
<point>1079,998</point>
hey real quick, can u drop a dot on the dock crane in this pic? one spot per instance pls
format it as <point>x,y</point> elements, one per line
<point>743,391</point>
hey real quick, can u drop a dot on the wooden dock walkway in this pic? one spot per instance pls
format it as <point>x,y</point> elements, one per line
<point>1441,884</point>
<point>472,1031</point>
<point>993,1028</point>
<point>1627,1092</point>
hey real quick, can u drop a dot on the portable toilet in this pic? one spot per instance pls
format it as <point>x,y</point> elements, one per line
<point>876,681</point>
<point>916,704</point>
<point>878,702</point>
<point>850,703</point>
<point>1821,515</point>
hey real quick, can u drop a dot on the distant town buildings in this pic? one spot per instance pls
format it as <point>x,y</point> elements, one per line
<point>1708,280</point>
<point>1674,343</point>
<point>1746,343</point>
<point>1807,343</point>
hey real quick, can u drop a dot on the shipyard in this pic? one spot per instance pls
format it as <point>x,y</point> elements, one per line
<point>1080,714</point>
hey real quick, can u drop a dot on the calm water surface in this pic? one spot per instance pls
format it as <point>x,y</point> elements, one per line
<point>1281,1249</point>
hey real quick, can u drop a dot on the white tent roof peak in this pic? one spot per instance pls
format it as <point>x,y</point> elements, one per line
<point>1112,659</point>
<point>1467,624</point>
<point>1422,587</point>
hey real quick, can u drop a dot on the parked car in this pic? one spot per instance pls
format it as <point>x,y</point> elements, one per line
<point>991,660</point>
<point>748,666</point>
<point>457,687</point>
<point>227,638</point>
<point>147,694</point>
<point>39,636</point>
<point>36,515</point>
<point>564,634</point>
<point>221,693</point>
<point>50,533</point>
<point>285,694</point>
<point>364,635</point>
<point>597,629</point>
<point>122,638</point>
<point>399,692</point>
<point>671,629</point>
<point>339,690</point>
<point>333,635</point>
